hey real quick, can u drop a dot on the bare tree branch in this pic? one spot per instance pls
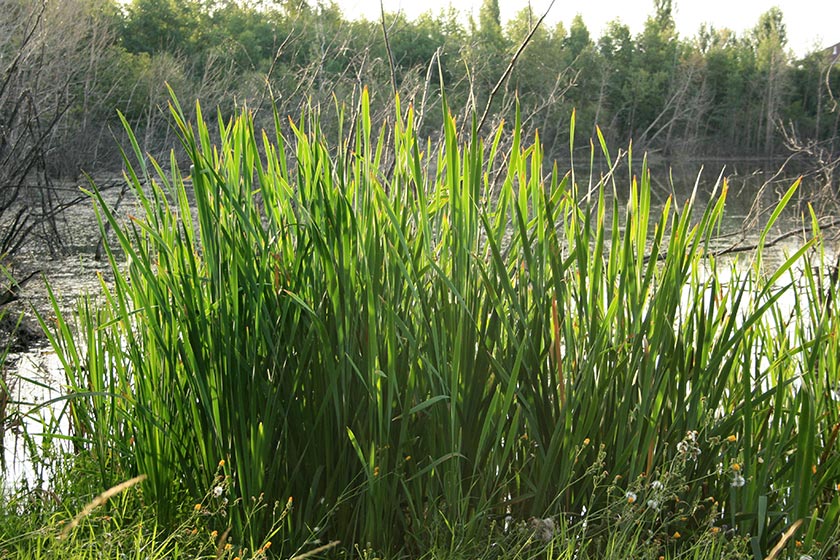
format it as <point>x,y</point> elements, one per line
<point>503,78</point>
<point>388,48</point>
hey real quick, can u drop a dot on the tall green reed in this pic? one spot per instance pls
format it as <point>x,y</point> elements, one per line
<point>408,343</point>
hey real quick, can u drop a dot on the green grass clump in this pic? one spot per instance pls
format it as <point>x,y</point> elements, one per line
<point>413,349</point>
<point>73,520</point>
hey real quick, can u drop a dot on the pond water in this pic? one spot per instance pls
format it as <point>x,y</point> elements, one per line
<point>36,378</point>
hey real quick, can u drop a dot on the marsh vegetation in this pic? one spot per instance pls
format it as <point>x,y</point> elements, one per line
<point>377,326</point>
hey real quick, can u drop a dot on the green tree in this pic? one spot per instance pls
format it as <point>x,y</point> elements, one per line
<point>541,77</point>
<point>728,63</point>
<point>414,43</point>
<point>490,24</point>
<point>656,58</point>
<point>578,39</point>
<point>539,66</point>
<point>153,26</point>
<point>614,102</point>
<point>485,55</point>
<point>242,34</point>
<point>586,64</point>
<point>770,38</point>
<point>814,81</point>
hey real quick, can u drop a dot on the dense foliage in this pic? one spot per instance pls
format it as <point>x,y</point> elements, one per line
<point>718,92</point>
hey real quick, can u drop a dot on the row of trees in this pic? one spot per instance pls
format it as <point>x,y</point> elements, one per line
<point>68,65</point>
<point>718,91</point>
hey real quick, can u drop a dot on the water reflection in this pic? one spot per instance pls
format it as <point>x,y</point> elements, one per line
<point>37,379</point>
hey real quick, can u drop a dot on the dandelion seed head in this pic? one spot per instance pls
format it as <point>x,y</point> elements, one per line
<point>738,481</point>
<point>631,497</point>
<point>544,529</point>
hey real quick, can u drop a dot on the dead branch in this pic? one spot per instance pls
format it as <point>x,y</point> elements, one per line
<point>393,72</point>
<point>503,78</point>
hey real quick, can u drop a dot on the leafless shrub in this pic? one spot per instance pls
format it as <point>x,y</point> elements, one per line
<point>43,50</point>
<point>820,164</point>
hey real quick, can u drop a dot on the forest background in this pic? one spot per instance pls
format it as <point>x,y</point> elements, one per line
<point>68,66</point>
